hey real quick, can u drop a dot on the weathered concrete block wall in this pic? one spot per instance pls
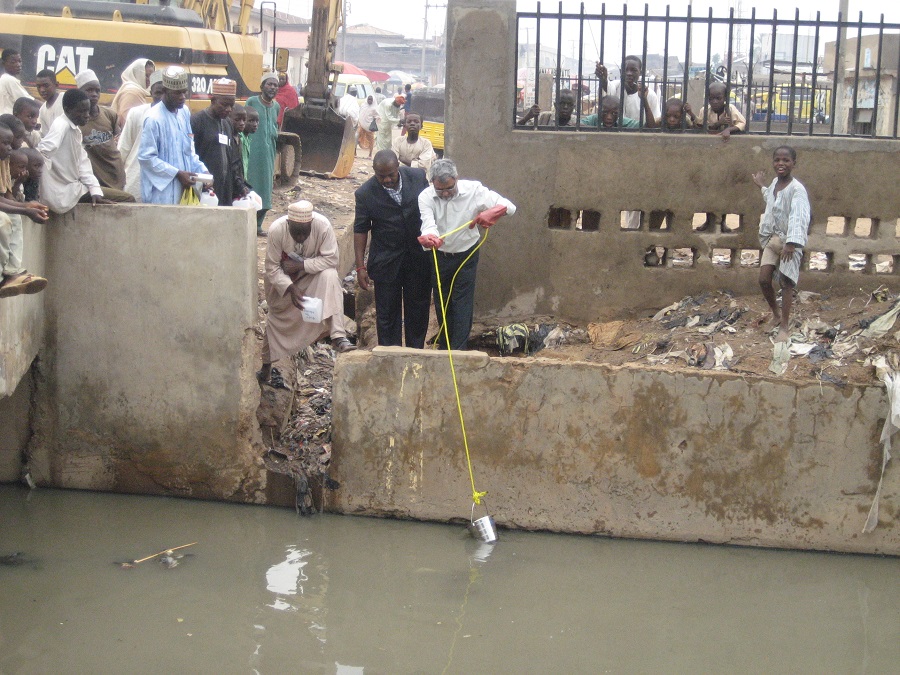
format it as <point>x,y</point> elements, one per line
<point>22,317</point>
<point>628,452</point>
<point>146,382</point>
<point>530,267</point>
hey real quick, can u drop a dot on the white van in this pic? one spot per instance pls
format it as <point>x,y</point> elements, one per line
<point>363,85</point>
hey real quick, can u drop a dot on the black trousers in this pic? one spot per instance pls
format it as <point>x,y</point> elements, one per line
<point>462,299</point>
<point>402,307</point>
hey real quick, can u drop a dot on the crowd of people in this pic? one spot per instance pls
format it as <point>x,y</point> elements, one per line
<point>147,147</point>
<point>628,103</point>
<point>144,147</point>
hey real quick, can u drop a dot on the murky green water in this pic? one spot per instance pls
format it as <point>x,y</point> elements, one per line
<point>268,592</point>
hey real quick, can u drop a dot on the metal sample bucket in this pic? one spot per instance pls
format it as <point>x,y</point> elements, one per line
<point>484,529</point>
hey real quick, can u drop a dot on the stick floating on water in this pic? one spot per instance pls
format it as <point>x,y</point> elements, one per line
<point>168,550</point>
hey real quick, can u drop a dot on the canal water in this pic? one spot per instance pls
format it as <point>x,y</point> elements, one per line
<point>265,591</point>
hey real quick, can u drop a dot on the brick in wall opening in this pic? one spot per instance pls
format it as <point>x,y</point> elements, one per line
<point>590,220</point>
<point>655,256</point>
<point>559,218</point>
<point>820,261</point>
<point>660,221</point>
<point>749,257</point>
<point>722,257</point>
<point>866,228</point>
<point>885,264</point>
<point>732,222</point>
<point>704,222</point>
<point>681,258</point>
<point>631,220</point>
<point>836,226</point>
<point>859,262</point>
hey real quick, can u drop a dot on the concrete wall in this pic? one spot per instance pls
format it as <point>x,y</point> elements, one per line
<point>22,317</point>
<point>586,448</point>
<point>146,380</point>
<point>529,267</point>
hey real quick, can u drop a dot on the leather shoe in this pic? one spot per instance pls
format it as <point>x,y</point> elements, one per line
<point>342,345</point>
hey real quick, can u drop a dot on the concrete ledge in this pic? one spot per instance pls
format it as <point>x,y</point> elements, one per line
<point>22,317</point>
<point>626,452</point>
<point>147,381</point>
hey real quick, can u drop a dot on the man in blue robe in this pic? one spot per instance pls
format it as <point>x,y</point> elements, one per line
<point>169,163</point>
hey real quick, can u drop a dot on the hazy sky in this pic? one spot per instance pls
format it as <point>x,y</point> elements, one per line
<point>406,16</point>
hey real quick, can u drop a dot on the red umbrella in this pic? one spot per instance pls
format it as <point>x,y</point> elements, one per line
<point>349,68</point>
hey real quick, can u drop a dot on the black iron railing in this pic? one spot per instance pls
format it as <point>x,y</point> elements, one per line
<point>791,78</point>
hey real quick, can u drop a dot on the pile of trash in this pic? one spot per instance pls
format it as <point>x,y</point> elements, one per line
<point>302,449</point>
<point>833,339</point>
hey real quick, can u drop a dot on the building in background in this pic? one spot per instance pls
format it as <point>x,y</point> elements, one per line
<point>856,110</point>
<point>372,48</point>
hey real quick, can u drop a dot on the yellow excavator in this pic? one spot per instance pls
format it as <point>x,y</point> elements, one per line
<point>68,36</point>
<point>328,139</point>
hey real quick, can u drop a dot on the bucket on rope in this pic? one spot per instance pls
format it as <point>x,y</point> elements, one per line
<point>484,529</point>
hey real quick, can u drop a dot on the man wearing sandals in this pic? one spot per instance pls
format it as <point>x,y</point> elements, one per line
<point>301,261</point>
<point>14,279</point>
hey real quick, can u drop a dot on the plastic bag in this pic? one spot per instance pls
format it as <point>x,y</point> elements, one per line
<point>189,197</point>
<point>374,125</point>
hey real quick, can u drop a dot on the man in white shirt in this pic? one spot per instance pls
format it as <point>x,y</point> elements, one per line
<point>411,149</point>
<point>635,91</point>
<point>448,204</point>
<point>68,176</point>
<point>51,108</point>
<point>10,88</point>
<point>348,106</point>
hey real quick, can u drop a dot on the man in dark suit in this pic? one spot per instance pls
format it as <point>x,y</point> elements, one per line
<point>387,205</point>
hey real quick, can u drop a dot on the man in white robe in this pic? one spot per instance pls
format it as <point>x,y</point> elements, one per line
<point>68,177</point>
<point>130,138</point>
<point>301,260</point>
<point>389,115</point>
<point>169,163</point>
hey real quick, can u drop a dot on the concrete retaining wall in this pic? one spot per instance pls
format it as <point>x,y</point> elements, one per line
<point>22,317</point>
<point>537,262</point>
<point>146,380</point>
<point>586,448</point>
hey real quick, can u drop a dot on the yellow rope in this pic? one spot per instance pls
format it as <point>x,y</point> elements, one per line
<point>476,495</point>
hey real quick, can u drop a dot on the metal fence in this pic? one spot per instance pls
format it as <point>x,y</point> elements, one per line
<point>790,78</point>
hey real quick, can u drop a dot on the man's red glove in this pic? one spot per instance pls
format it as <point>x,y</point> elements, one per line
<point>490,216</point>
<point>431,241</point>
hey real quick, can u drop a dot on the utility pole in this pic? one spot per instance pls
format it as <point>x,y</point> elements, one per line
<point>345,13</point>
<point>425,33</point>
<point>841,124</point>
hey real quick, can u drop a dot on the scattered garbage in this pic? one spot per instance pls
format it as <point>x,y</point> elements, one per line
<point>168,557</point>
<point>888,371</point>
<point>302,448</point>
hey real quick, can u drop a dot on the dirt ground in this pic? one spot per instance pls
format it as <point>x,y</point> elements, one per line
<point>689,336</point>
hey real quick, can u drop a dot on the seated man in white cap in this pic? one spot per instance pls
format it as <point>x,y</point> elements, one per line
<point>169,163</point>
<point>301,260</point>
<point>100,133</point>
<point>212,139</point>
<point>68,177</point>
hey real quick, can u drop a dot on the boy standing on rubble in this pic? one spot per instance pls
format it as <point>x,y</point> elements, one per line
<point>782,235</point>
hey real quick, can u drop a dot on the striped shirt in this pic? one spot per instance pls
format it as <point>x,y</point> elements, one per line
<point>787,215</point>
